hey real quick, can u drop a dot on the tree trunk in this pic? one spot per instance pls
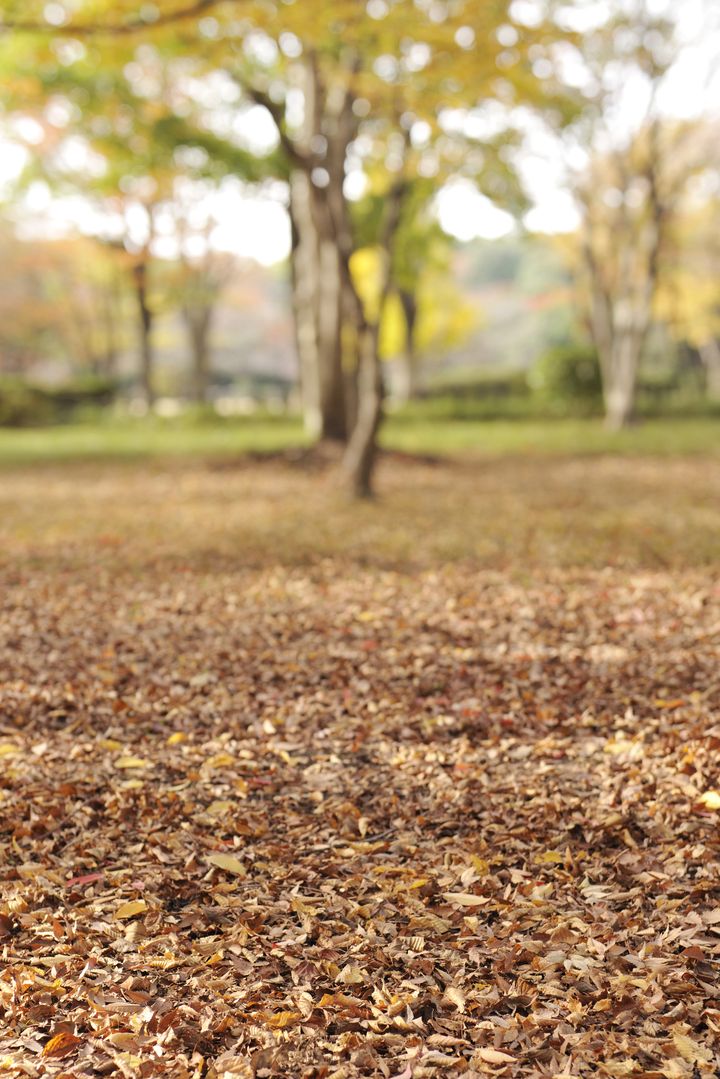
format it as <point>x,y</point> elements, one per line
<point>145,325</point>
<point>317,263</point>
<point>199,323</point>
<point>619,370</point>
<point>710,356</point>
<point>409,383</point>
<point>317,302</point>
<point>360,456</point>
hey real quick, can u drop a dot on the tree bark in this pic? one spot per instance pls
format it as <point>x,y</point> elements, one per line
<point>710,356</point>
<point>619,368</point>
<point>362,450</point>
<point>361,454</point>
<point>317,274</point>
<point>409,386</point>
<point>623,280</point>
<point>145,327</point>
<point>199,324</point>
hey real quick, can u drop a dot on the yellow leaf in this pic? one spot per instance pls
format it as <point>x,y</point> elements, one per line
<point>7,749</point>
<point>133,762</point>
<point>123,1040</point>
<point>220,760</point>
<point>494,1056</point>
<point>481,867</point>
<point>690,1050</point>
<point>710,799</point>
<point>229,863</point>
<point>110,743</point>
<point>465,899</point>
<point>129,910</point>
<point>219,808</point>
<point>176,738</point>
<point>550,857</point>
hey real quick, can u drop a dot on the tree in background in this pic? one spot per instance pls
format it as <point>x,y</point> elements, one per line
<point>634,169</point>
<point>120,133</point>
<point>689,296</point>
<point>62,301</point>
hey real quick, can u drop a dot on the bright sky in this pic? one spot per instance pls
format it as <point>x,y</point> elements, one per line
<point>258,227</point>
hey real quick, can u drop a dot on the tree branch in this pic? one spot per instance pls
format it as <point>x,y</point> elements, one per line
<point>132,26</point>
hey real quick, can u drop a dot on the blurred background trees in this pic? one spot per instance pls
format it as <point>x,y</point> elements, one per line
<point>139,140</point>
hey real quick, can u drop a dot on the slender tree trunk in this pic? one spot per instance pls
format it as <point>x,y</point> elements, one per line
<point>409,384</point>
<point>199,324</point>
<point>304,293</point>
<point>710,356</point>
<point>109,319</point>
<point>145,326</point>
<point>361,454</point>
<point>362,450</point>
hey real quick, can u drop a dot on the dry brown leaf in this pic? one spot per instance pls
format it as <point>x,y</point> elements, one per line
<point>465,899</point>
<point>494,1056</point>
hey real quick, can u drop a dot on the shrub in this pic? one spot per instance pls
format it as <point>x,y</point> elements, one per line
<point>569,377</point>
<point>85,391</point>
<point>23,405</point>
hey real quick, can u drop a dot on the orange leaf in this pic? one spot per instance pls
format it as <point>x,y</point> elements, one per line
<point>61,1044</point>
<point>282,1019</point>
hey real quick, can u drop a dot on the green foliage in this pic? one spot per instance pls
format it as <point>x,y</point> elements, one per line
<point>569,377</point>
<point>23,404</point>
<point>84,391</point>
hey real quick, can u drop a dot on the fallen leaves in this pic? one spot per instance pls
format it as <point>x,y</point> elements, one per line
<point>710,799</point>
<point>131,909</point>
<point>494,1056</point>
<point>465,899</point>
<point>61,1045</point>
<point>228,862</point>
<point>472,834</point>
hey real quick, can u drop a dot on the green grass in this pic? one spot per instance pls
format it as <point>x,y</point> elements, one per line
<point>411,432</point>
<point>671,436</point>
<point>137,439</point>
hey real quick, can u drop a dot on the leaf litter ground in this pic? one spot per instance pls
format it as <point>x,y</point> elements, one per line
<point>426,788</point>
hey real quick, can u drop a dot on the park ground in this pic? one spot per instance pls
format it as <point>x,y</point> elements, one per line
<point>423,787</point>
